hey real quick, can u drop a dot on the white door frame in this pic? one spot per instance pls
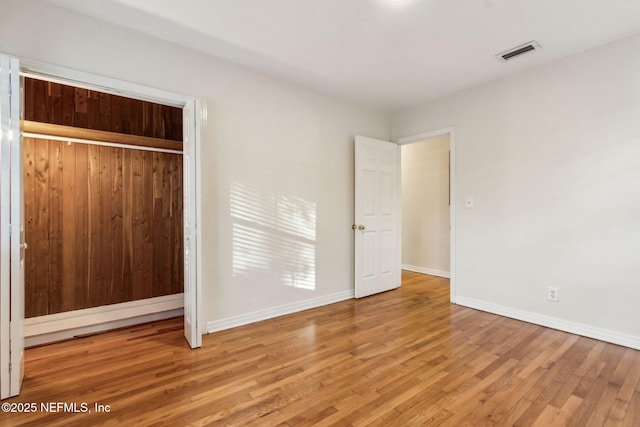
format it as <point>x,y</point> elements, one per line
<point>133,90</point>
<point>450,131</point>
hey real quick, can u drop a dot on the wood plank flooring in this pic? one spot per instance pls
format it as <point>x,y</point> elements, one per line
<point>402,358</point>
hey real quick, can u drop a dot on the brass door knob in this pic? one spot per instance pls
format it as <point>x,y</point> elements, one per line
<point>361,227</point>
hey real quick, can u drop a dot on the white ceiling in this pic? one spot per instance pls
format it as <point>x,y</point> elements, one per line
<point>379,53</point>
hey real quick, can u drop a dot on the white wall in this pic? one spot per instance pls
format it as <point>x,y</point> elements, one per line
<point>425,206</point>
<point>268,137</point>
<point>552,158</point>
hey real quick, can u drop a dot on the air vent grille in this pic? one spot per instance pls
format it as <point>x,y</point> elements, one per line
<point>518,50</point>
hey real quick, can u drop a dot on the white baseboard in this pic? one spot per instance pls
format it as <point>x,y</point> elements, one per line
<point>59,326</point>
<point>424,270</point>
<point>270,313</point>
<point>601,334</point>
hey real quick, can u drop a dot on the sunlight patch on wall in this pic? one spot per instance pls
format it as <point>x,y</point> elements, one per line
<point>274,236</point>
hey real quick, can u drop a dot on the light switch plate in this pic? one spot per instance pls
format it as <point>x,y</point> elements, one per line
<point>468,202</point>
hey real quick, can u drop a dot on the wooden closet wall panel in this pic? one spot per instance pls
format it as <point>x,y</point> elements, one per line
<point>117,238</point>
<point>137,165</point>
<point>81,240</point>
<point>68,106</point>
<point>59,104</point>
<point>56,219</point>
<point>81,109</point>
<point>147,224</point>
<point>176,210</point>
<point>73,228</point>
<point>104,225</point>
<point>99,284</point>
<point>157,237</point>
<point>36,295</point>
<point>127,225</point>
<point>104,109</point>
<point>41,220</point>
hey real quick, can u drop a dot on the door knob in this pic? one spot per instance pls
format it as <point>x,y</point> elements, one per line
<point>24,245</point>
<point>361,227</point>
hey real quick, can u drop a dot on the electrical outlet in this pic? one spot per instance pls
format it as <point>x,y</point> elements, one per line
<point>552,294</point>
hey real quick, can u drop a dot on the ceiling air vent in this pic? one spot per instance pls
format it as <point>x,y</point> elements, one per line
<point>518,50</point>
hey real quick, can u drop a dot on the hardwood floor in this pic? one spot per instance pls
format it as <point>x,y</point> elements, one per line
<point>402,358</point>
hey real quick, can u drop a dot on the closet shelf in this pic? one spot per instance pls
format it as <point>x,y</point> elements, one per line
<point>60,131</point>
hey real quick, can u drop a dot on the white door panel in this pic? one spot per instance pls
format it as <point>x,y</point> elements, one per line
<point>377,216</point>
<point>18,245</point>
<point>11,232</point>
<point>5,221</point>
<point>192,325</point>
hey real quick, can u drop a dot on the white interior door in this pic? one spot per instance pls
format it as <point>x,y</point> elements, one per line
<point>18,244</point>
<point>377,216</point>
<point>11,232</point>
<point>192,324</point>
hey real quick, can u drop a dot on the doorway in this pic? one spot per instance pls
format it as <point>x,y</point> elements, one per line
<point>103,197</point>
<point>428,207</point>
<point>194,118</point>
<point>194,124</point>
<point>425,206</point>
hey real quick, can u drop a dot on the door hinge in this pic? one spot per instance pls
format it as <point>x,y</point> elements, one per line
<point>10,367</point>
<point>10,229</point>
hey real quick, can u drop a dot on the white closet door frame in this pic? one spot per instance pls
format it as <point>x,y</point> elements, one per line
<point>82,79</point>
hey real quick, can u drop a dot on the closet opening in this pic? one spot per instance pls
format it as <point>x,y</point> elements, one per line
<point>103,199</point>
